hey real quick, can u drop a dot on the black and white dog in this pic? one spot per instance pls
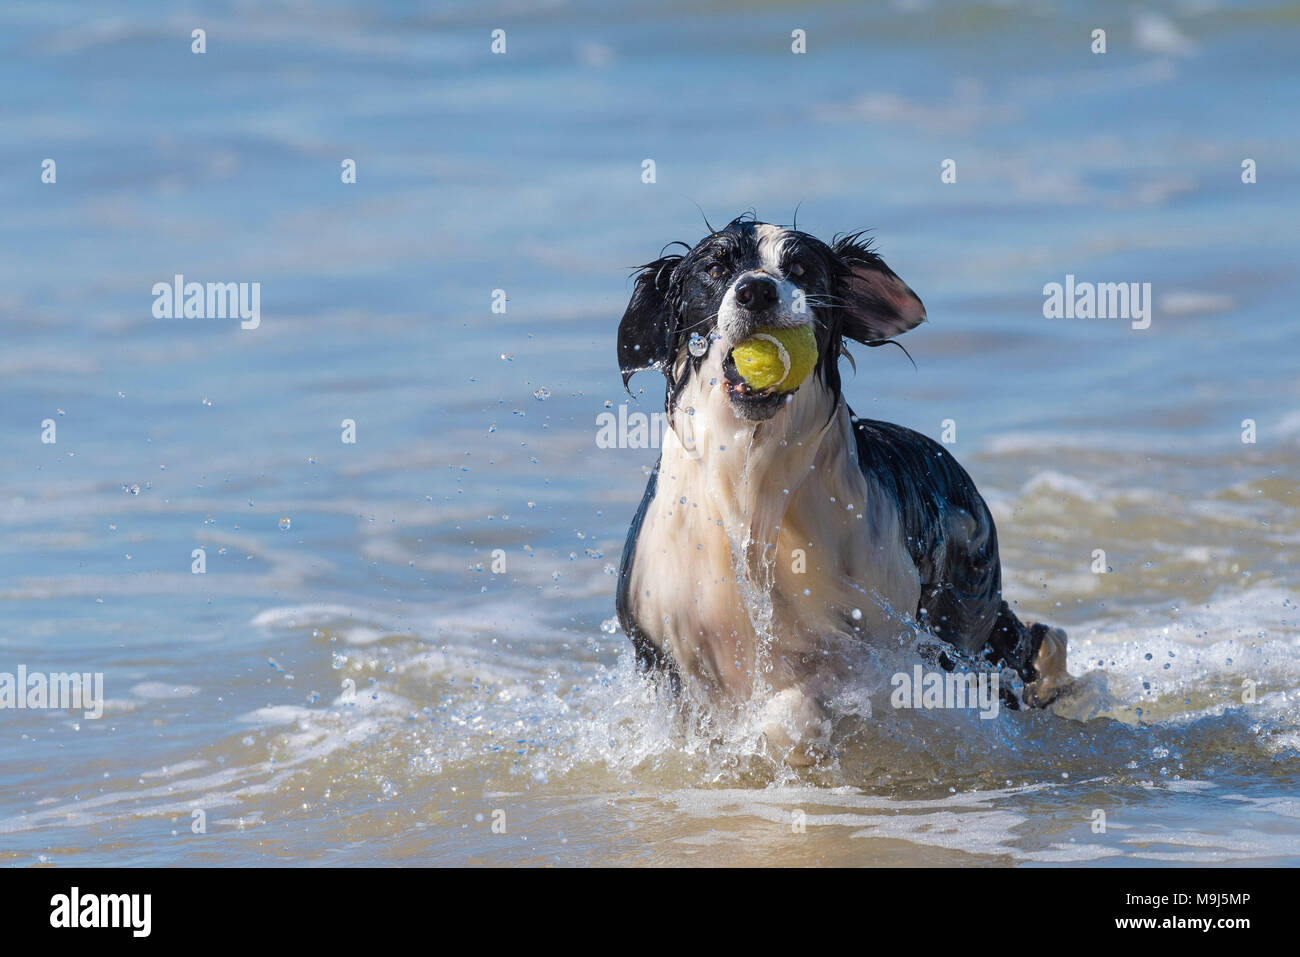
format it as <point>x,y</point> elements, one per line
<point>777,528</point>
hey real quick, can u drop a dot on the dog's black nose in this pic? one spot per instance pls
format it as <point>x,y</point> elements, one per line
<point>756,292</point>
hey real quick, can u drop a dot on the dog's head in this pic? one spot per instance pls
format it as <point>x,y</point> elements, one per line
<point>689,311</point>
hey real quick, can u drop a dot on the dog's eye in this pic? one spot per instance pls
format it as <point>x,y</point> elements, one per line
<point>797,269</point>
<point>714,270</point>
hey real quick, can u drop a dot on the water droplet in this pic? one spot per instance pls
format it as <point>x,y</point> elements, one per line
<point>284,524</point>
<point>698,345</point>
<point>542,394</point>
<point>609,626</point>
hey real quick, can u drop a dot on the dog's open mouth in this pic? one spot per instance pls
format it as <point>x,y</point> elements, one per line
<point>750,402</point>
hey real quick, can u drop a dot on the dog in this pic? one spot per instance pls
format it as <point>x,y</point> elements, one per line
<point>778,528</point>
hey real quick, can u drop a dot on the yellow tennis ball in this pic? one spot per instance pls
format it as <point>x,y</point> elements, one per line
<point>777,358</point>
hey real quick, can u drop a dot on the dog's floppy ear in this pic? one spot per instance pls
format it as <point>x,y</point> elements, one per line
<point>646,330</point>
<point>875,303</point>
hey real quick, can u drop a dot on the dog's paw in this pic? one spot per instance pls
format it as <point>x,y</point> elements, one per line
<point>796,728</point>
<point>1049,663</point>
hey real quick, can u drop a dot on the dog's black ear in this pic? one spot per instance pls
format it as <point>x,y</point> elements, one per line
<point>875,303</point>
<point>646,330</point>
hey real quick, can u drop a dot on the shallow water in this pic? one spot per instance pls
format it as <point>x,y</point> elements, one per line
<point>361,687</point>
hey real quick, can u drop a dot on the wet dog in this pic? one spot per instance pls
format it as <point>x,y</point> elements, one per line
<point>778,526</point>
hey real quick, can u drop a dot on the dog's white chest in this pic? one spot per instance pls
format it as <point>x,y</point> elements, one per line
<point>757,558</point>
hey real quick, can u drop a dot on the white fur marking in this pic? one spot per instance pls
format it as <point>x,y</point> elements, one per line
<point>771,240</point>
